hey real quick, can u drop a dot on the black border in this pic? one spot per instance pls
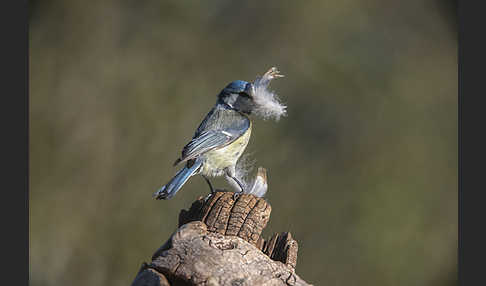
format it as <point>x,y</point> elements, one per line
<point>15,147</point>
<point>471,243</point>
<point>14,118</point>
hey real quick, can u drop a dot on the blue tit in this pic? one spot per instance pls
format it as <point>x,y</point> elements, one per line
<point>219,141</point>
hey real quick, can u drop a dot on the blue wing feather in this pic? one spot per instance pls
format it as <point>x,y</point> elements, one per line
<point>220,127</point>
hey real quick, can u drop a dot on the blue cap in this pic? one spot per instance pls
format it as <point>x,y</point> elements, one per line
<point>236,86</point>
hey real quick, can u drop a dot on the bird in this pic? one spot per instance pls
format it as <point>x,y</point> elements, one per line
<point>223,135</point>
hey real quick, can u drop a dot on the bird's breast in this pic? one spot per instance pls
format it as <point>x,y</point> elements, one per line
<point>218,159</point>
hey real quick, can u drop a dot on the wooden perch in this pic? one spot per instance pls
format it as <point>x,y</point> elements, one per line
<point>219,243</point>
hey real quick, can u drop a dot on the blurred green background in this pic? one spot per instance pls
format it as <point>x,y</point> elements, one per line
<point>363,171</point>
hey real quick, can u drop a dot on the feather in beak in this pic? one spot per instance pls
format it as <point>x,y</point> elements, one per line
<point>267,103</point>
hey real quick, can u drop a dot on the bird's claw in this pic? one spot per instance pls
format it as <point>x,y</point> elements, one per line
<point>206,198</point>
<point>236,195</point>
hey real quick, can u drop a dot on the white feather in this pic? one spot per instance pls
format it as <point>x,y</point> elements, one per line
<point>255,185</point>
<point>267,103</point>
<point>243,168</point>
<point>259,187</point>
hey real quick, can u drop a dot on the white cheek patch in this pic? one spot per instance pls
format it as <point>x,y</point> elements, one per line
<point>233,98</point>
<point>267,103</point>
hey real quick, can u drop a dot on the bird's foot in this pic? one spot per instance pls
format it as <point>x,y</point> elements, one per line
<point>212,190</point>
<point>236,195</point>
<point>208,196</point>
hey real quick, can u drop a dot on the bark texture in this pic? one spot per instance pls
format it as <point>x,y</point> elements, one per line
<point>219,243</point>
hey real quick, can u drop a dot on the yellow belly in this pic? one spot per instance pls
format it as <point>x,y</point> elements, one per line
<point>218,159</point>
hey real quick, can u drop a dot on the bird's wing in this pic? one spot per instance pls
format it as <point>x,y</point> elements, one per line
<point>220,127</point>
<point>206,141</point>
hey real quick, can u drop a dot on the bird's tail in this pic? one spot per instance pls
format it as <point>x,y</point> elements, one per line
<point>176,183</point>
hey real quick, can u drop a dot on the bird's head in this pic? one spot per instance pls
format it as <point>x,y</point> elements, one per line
<point>238,95</point>
<point>254,97</point>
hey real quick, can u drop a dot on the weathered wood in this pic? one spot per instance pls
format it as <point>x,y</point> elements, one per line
<point>150,277</point>
<point>282,247</point>
<point>246,217</point>
<point>219,243</point>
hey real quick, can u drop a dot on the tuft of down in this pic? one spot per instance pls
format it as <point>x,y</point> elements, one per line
<point>256,185</point>
<point>260,186</point>
<point>267,103</point>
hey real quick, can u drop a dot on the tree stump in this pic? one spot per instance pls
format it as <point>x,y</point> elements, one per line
<point>219,242</point>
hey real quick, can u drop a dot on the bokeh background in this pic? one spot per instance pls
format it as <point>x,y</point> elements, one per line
<point>362,171</point>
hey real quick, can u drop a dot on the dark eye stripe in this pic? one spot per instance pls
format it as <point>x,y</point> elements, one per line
<point>244,94</point>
